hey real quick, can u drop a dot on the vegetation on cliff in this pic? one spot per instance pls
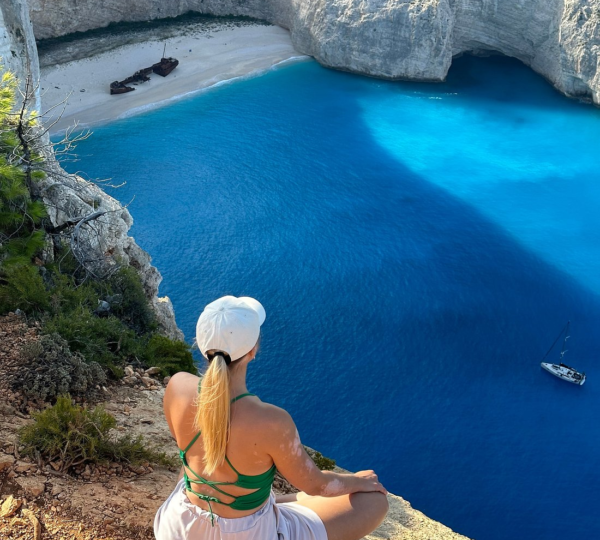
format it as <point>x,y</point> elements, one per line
<point>322,462</point>
<point>67,435</point>
<point>50,369</point>
<point>93,324</point>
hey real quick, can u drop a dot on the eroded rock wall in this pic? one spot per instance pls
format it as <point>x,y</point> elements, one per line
<point>18,52</point>
<point>59,17</point>
<point>407,39</point>
<point>69,197</point>
<point>557,38</point>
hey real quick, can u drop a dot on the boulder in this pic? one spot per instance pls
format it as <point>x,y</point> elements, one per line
<point>148,381</point>
<point>10,506</point>
<point>31,485</point>
<point>6,462</point>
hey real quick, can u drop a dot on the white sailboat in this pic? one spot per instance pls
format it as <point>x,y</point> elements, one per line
<point>561,370</point>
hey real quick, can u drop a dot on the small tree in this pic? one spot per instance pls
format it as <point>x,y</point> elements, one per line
<point>30,171</point>
<point>21,231</point>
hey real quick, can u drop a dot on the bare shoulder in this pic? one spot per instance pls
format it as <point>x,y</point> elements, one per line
<point>181,391</point>
<point>271,420</point>
<point>183,383</point>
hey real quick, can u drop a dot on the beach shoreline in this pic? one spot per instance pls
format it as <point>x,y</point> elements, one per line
<point>206,59</point>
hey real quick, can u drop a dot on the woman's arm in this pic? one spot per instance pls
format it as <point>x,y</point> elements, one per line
<point>179,394</point>
<point>295,464</point>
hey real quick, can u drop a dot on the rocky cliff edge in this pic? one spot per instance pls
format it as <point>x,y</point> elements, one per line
<point>125,498</point>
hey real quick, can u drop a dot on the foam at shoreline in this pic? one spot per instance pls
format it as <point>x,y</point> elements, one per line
<point>216,84</point>
<point>207,60</point>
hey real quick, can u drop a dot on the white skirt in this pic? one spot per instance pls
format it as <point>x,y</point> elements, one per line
<point>179,519</point>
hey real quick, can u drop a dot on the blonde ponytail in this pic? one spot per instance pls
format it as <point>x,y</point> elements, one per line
<point>213,414</point>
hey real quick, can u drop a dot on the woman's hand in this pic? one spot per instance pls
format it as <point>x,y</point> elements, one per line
<point>369,482</point>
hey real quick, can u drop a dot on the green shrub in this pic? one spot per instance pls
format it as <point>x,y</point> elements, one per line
<point>22,287</point>
<point>123,291</point>
<point>67,295</point>
<point>132,307</point>
<point>21,235</point>
<point>50,369</point>
<point>65,262</point>
<point>75,435</point>
<point>20,250</point>
<point>169,355</point>
<point>99,339</point>
<point>135,449</point>
<point>111,343</point>
<point>67,432</point>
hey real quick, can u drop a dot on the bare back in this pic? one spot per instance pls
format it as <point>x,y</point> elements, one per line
<point>253,424</point>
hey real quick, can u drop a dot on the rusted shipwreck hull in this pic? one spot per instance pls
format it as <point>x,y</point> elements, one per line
<point>165,66</point>
<point>117,87</point>
<point>162,68</point>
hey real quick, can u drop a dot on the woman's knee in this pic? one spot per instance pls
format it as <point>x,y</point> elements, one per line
<point>381,504</point>
<point>375,504</point>
<point>349,516</point>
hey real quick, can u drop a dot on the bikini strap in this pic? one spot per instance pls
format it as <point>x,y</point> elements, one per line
<point>241,396</point>
<point>234,469</point>
<point>184,452</point>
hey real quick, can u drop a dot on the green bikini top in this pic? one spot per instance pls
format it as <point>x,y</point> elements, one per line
<point>261,482</point>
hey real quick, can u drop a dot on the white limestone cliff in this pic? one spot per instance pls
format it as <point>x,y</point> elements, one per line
<point>397,39</point>
<point>69,196</point>
<point>18,52</point>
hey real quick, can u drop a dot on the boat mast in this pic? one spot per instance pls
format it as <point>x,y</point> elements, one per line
<point>164,49</point>
<point>566,327</point>
<point>563,351</point>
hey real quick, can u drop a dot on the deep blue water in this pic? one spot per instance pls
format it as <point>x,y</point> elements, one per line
<point>417,247</point>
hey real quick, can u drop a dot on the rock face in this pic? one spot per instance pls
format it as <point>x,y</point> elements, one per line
<point>76,196</point>
<point>18,52</point>
<point>397,39</point>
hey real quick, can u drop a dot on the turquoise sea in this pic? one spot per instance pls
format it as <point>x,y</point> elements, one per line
<point>418,247</point>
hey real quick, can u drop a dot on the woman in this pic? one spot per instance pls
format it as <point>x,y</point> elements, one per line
<point>222,430</point>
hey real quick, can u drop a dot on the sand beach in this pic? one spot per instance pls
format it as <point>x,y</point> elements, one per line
<point>206,58</point>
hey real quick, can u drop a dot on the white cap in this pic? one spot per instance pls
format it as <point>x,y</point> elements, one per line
<point>231,325</point>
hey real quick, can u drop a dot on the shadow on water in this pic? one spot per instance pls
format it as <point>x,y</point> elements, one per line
<point>404,328</point>
<point>472,321</point>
